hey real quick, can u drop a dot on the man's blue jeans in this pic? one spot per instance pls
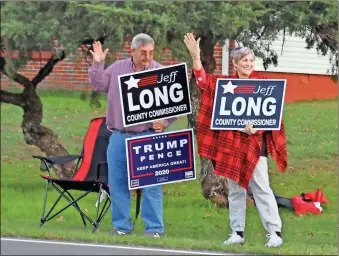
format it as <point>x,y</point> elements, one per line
<point>152,197</point>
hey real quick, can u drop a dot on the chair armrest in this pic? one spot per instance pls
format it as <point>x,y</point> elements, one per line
<point>47,162</point>
<point>58,159</point>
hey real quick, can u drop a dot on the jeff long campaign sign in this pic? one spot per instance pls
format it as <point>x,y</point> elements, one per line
<point>160,158</point>
<point>154,94</point>
<point>240,101</point>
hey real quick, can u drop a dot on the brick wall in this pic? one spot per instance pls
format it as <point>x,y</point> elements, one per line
<point>72,74</point>
<point>230,64</point>
<point>218,58</point>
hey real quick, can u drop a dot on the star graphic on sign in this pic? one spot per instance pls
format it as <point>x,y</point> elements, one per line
<point>132,83</point>
<point>229,87</point>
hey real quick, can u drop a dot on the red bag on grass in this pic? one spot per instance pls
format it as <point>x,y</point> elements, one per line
<point>309,202</point>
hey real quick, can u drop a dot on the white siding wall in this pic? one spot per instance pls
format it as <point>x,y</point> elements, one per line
<point>295,58</point>
<point>225,57</point>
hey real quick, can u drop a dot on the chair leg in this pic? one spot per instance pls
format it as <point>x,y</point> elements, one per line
<point>102,214</point>
<point>77,206</point>
<point>73,203</point>
<point>98,207</point>
<point>43,219</point>
<point>96,226</point>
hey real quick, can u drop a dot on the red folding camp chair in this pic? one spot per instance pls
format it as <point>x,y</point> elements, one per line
<point>90,175</point>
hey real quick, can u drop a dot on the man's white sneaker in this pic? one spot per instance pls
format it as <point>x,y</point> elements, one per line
<point>273,240</point>
<point>234,239</point>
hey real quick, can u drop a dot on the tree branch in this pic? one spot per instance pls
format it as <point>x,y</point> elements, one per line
<point>259,36</point>
<point>11,98</point>
<point>16,76</point>
<point>283,42</point>
<point>47,69</point>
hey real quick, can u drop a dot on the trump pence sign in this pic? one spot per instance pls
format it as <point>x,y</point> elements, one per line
<point>238,102</point>
<point>155,94</point>
<point>160,158</point>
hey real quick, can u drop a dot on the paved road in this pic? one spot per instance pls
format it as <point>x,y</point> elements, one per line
<point>16,246</point>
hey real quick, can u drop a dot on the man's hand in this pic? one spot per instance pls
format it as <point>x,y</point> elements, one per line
<point>192,45</point>
<point>249,129</point>
<point>97,53</point>
<point>159,126</point>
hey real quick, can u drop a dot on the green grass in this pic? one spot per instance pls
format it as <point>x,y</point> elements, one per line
<point>191,222</point>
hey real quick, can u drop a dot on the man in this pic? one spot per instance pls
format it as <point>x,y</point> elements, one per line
<point>142,47</point>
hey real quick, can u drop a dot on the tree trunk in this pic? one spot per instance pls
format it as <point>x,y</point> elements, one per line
<point>40,136</point>
<point>213,187</point>
<point>34,133</point>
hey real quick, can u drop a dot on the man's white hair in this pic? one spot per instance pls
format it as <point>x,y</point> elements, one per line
<point>141,39</point>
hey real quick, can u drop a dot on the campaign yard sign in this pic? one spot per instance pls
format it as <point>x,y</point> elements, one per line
<point>160,159</point>
<point>154,94</point>
<point>238,102</point>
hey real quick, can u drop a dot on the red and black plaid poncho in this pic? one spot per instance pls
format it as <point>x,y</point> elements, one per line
<point>235,153</point>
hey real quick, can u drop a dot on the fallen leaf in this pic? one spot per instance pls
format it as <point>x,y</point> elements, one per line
<point>206,216</point>
<point>7,161</point>
<point>56,237</point>
<point>60,219</point>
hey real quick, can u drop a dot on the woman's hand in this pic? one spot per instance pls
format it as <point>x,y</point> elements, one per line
<point>192,45</point>
<point>249,129</point>
<point>194,49</point>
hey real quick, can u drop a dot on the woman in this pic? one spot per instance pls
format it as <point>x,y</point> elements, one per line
<point>240,156</point>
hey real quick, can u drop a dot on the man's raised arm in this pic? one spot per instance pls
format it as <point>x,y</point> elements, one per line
<point>99,78</point>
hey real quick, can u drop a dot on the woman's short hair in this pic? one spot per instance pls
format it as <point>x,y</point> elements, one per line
<point>141,39</point>
<point>240,52</point>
